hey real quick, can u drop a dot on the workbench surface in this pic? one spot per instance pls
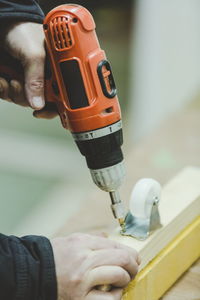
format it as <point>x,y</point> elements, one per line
<point>175,145</point>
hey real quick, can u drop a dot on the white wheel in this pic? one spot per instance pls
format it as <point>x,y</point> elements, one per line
<point>144,194</point>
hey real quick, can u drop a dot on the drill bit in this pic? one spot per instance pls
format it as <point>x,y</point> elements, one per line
<point>122,224</point>
<point>118,209</point>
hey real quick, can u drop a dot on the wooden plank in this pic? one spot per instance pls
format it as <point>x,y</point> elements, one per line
<point>167,253</point>
<point>160,274</point>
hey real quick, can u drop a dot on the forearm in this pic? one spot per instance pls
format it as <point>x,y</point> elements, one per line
<point>21,10</point>
<point>27,268</point>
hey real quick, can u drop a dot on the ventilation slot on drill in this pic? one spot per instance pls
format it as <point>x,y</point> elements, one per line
<point>61,34</point>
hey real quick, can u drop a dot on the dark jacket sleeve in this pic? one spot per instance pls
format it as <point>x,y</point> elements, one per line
<point>27,270</point>
<point>22,10</point>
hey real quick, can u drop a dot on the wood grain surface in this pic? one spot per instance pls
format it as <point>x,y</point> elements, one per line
<point>187,287</point>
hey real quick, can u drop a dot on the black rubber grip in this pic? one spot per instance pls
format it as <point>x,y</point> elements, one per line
<point>102,152</point>
<point>74,84</point>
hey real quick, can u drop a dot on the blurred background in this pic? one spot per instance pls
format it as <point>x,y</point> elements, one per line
<point>154,49</point>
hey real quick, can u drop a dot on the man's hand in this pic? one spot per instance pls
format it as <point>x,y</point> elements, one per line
<point>83,262</point>
<point>25,41</point>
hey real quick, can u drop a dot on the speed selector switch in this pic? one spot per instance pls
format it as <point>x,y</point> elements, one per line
<point>106,79</point>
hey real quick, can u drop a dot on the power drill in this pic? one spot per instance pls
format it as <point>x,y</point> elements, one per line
<point>86,96</point>
<point>81,84</point>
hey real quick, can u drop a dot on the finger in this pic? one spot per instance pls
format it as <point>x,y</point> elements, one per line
<point>34,81</point>
<point>4,89</point>
<point>48,112</point>
<point>114,257</point>
<point>98,243</point>
<point>44,114</point>
<point>115,294</point>
<point>95,242</point>
<point>16,93</point>
<point>103,275</point>
<point>131,251</point>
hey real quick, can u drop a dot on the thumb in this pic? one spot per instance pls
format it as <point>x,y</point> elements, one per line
<point>34,81</point>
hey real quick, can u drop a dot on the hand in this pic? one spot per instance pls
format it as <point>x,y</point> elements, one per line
<point>85,261</point>
<point>25,41</point>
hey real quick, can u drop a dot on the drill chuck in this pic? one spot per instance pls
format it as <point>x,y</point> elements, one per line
<point>109,179</point>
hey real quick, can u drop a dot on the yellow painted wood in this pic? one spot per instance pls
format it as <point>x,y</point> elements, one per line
<point>159,275</point>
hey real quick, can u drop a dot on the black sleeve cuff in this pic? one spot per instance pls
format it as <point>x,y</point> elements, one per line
<point>24,10</point>
<point>27,268</point>
<point>41,251</point>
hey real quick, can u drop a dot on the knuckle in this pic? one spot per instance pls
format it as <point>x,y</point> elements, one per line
<point>36,84</point>
<point>3,84</point>
<point>36,54</point>
<point>135,271</point>
<point>77,237</point>
<point>39,55</point>
<point>118,245</point>
<point>75,279</point>
<point>123,276</point>
<point>16,86</point>
<point>125,258</point>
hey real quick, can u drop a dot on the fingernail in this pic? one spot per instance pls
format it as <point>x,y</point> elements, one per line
<point>37,102</point>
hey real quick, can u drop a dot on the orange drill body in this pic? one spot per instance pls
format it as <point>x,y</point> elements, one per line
<point>81,70</point>
<point>87,101</point>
